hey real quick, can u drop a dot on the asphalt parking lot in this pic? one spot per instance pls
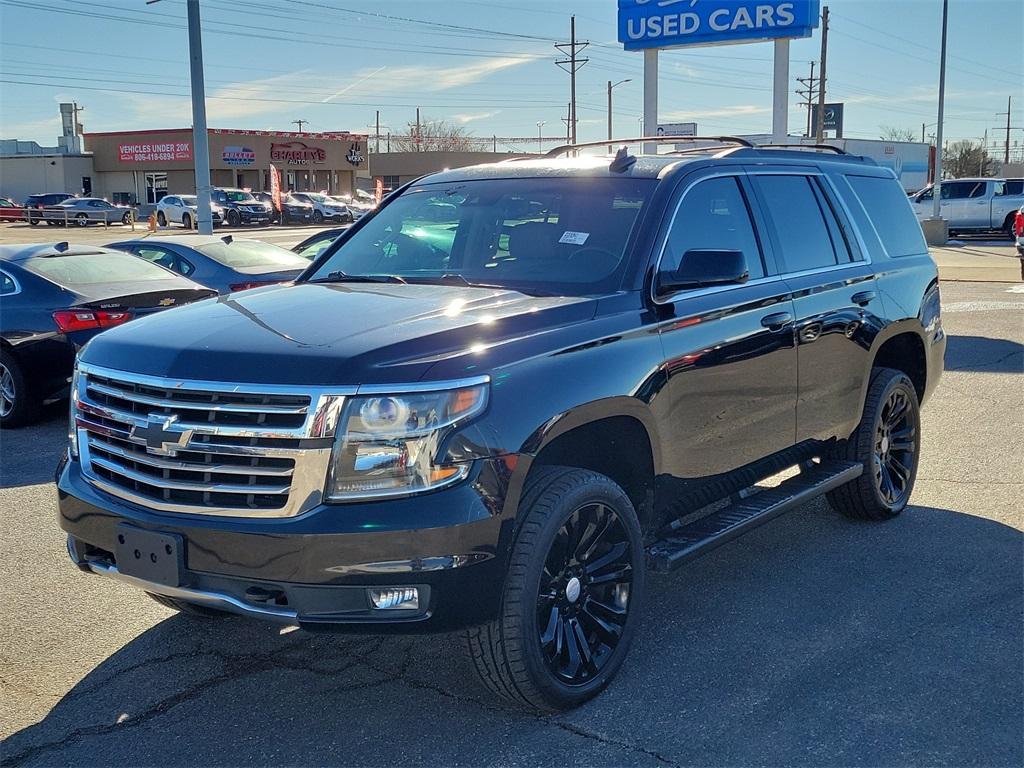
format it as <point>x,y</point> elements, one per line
<point>812,641</point>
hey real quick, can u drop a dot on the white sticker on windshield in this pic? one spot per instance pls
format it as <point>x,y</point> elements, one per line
<point>574,238</point>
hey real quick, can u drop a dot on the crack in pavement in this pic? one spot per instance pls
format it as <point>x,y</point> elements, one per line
<point>973,366</point>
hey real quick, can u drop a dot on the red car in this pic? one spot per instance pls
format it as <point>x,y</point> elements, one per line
<point>10,211</point>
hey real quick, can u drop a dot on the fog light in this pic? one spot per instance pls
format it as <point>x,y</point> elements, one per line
<point>395,597</point>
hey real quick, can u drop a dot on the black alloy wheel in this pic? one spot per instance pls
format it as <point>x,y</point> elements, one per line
<point>584,595</point>
<point>186,221</point>
<point>571,600</point>
<point>233,218</point>
<point>887,442</point>
<point>895,447</point>
<point>161,219</point>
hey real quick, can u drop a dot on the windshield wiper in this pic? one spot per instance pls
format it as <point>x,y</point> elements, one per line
<point>455,277</point>
<point>343,277</point>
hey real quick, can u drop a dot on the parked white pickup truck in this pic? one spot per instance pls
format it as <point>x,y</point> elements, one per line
<point>974,205</point>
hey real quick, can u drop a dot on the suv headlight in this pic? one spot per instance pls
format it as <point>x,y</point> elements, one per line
<point>72,415</point>
<point>387,445</point>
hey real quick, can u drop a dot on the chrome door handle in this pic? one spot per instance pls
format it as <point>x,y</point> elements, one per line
<point>776,320</point>
<point>863,298</point>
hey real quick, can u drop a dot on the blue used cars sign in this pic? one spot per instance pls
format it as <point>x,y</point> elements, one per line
<point>673,23</point>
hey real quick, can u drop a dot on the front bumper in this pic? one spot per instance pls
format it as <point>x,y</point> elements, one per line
<point>314,570</point>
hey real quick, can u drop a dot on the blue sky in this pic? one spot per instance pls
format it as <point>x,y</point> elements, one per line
<point>333,62</point>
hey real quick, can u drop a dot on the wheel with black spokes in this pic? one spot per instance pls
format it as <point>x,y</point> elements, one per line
<point>572,595</point>
<point>887,442</point>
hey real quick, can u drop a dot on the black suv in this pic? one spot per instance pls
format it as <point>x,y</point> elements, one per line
<point>35,203</point>
<point>241,207</point>
<point>494,402</point>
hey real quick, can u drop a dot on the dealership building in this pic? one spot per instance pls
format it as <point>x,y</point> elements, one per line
<point>143,166</point>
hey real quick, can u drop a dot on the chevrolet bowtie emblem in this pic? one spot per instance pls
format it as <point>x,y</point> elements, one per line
<point>166,302</point>
<point>161,435</point>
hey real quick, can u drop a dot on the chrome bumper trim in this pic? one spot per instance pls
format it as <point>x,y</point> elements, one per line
<point>210,599</point>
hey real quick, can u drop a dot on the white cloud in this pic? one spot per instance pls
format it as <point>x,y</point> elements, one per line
<point>422,77</point>
<point>463,119</point>
<point>741,110</point>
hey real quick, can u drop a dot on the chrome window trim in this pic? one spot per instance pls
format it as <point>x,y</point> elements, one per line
<point>13,279</point>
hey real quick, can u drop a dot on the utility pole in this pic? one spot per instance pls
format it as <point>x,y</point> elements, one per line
<point>377,134</point>
<point>983,154</point>
<point>809,93</point>
<point>1006,147</point>
<point>540,135</point>
<point>299,123</point>
<point>819,133</point>
<point>568,123</point>
<point>419,138</point>
<point>610,86</point>
<point>922,133</point>
<point>574,64</point>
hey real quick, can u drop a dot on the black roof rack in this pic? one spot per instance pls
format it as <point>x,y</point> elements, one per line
<point>815,147</point>
<point>564,148</point>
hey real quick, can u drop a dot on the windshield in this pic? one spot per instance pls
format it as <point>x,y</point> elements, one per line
<point>316,196</point>
<point>252,253</point>
<point>189,199</point>
<point>538,235</point>
<point>86,268</point>
<point>237,196</point>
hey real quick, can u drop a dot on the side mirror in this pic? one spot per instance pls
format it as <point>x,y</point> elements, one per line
<point>699,268</point>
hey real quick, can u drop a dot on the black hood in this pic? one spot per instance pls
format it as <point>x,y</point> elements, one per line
<point>329,334</point>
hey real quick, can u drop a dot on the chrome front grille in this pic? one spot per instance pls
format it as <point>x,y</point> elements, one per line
<point>211,448</point>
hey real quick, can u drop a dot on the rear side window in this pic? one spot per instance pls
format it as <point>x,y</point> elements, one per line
<point>252,253</point>
<point>7,284</point>
<point>713,216</point>
<point>1013,187</point>
<point>799,222</point>
<point>890,213</point>
<point>87,268</point>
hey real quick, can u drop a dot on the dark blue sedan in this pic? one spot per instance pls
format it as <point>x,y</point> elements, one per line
<point>225,264</point>
<point>55,298</point>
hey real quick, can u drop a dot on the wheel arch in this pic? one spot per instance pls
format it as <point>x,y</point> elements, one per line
<point>903,349</point>
<point>616,437</point>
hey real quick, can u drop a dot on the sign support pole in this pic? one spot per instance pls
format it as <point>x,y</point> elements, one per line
<point>780,95</point>
<point>200,139</point>
<point>650,97</point>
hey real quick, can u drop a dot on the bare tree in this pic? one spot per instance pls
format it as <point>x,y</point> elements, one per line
<point>434,136</point>
<point>966,158</point>
<point>892,133</point>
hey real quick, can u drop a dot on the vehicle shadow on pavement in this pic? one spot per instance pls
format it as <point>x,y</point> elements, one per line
<point>29,456</point>
<point>815,640</point>
<point>980,353</point>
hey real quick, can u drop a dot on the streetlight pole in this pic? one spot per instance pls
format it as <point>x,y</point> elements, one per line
<point>540,135</point>
<point>610,86</point>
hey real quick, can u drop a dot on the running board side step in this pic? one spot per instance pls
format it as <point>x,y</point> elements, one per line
<point>703,535</point>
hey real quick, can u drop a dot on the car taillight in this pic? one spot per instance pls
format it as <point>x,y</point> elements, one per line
<point>69,320</point>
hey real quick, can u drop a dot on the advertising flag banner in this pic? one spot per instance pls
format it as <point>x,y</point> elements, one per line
<point>275,187</point>
<point>378,190</point>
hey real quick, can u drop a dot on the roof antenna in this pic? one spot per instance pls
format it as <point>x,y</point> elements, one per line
<point>623,161</point>
<point>228,239</point>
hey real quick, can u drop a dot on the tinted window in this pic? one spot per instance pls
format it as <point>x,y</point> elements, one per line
<point>835,230</point>
<point>1014,187</point>
<point>7,284</point>
<point>714,216</point>
<point>252,253</point>
<point>550,235</point>
<point>314,249</point>
<point>886,206</point>
<point>169,201</point>
<point>962,190</point>
<point>85,268</point>
<point>799,222</point>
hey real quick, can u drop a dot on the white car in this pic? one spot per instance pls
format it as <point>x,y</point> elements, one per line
<point>184,210</point>
<point>325,207</point>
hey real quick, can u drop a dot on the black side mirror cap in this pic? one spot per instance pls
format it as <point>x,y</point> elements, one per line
<point>700,268</point>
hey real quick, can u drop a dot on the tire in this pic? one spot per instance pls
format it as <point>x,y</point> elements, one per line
<point>127,218</point>
<point>18,404</point>
<point>82,220</point>
<point>186,221</point>
<point>318,218</point>
<point>192,609</point>
<point>234,219</point>
<point>510,653</point>
<point>32,222</point>
<point>890,411</point>
<point>161,219</point>
<point>1008,227</point>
